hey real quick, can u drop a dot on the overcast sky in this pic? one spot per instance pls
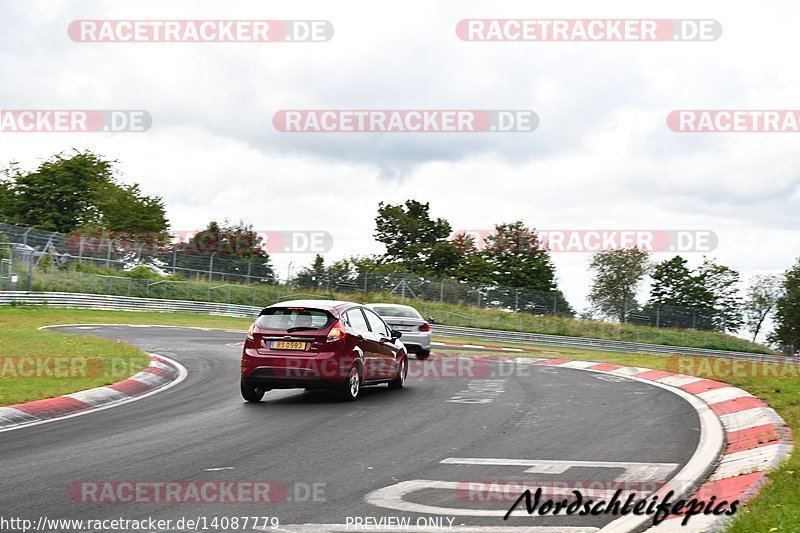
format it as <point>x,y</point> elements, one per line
<point>602,156</point>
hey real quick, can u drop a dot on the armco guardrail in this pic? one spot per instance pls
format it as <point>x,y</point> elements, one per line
<point>129,303</point>
<point>125,303</point>
<point>600,344</point>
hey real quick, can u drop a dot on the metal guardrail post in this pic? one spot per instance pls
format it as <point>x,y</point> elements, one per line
<point>211,270</point>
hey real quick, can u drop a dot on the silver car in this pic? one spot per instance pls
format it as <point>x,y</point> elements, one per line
<point>404,318</point>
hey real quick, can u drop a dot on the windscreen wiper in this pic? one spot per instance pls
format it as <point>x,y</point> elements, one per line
<point>301,328</point>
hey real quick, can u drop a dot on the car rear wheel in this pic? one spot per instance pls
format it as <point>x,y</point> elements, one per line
<point>402,371</point>
<point>252,393</point>
<point>423,354</point>
<point>352,385</point>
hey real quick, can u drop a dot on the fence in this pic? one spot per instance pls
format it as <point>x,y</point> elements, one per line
<point>41,260</point>
<point>124,303</point>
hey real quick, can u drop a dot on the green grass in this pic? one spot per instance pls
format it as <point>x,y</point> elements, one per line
<point>86,361</point>
<point>777,507</point>
<point>453,314</point>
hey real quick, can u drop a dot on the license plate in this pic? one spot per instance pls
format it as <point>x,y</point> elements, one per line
<point>287,345</point>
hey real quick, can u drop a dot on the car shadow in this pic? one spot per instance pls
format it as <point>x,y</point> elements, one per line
<point>323,397</point>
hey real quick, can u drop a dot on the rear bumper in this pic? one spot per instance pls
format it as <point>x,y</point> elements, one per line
<point>267,379</point>
<point>416,342</point>
<point>323,370</point>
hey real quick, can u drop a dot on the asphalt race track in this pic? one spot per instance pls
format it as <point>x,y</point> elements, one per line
<point>401,453</point>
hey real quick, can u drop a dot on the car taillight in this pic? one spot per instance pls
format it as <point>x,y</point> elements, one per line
<point>336,333</point>
<point>250,331</point>
<point>425,327</point>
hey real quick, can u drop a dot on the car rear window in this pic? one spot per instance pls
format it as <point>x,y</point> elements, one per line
<point>399,312</point>
<point>287,318</point>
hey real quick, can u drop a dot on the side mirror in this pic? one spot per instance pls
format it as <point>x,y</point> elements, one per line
<point>396,334</point>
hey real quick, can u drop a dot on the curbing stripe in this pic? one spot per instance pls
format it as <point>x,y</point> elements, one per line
<point>552,362</point>
<point>747,439</point>
<point>131,387</point>
<point>14,417</point>
<point>604,367</point>
<point>758,440</point>
<point>679,380</point>
<point>97,396</point>
<point>655,375</point>
<point>754,460</point>
<point>737,404</point>
<point>758,416</point>
<point>52,407</point>
<point>161,374</point>
<point>629,371</point>
<point>721,395</point>
<point>578,364</point>
<point>703,385</point>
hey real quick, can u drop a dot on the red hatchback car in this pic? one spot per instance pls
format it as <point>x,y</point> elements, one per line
<point>321,344</point>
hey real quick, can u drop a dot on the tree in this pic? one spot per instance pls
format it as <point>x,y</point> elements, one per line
<point>617,275</point>
<point>675,284</point>
<point>313,276</point>
<point>235,248</point>
<point>521,271</point>
<point>79,191</point>
<point>679,297</point>
<point>126,208</point>
<point>762,294</point>
<point>343,275</point>
<point>723,284</point>
<point>7,207</point>
<point>516,258</point>
<point>413,238</point>
<point>787,312</point>
<point>472,265</point>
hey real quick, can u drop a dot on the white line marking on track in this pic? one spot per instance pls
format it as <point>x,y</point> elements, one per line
<point>633,471</point>
<point>391,497</point>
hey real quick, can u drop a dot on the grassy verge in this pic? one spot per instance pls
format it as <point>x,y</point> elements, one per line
<point>463,313</point>
<point>38,364</point>
<point>777,507</point>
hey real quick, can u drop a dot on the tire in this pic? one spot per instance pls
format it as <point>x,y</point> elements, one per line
<point>402,371</point>
<point>423,354</point>
<point>352,385</point>
<point>251,393</point>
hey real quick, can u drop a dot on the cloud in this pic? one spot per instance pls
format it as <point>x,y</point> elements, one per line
<point>601,157</point>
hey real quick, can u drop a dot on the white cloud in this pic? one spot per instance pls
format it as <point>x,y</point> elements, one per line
<point>601,158</point>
